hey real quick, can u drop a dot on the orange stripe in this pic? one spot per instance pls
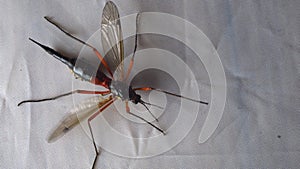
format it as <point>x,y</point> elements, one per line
<point>103,61</point>
<point>103,108</point>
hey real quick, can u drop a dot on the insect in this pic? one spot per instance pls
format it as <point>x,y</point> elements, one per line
<point>116,84</point>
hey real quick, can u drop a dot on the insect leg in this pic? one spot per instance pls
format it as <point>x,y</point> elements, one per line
<point>90,128</point>
<point>128,111</point>
<point>85,43</point>
<point>65,94</point>
<point>135,47</point>
<point>169,93</point>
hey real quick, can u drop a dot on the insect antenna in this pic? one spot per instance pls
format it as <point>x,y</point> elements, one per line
<point>128,111</point>
<point>169,93</point>
<point>150,104</point>
<point>148,123</point>
<point>143,103</point>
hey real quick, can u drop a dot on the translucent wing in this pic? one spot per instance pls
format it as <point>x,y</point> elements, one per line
<point>79,113</point>
<point>112,39</point>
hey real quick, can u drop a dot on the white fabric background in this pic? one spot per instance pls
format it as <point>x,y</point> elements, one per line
<point>258,44</point>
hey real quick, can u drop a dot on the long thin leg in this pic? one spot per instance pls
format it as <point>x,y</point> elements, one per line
<point>83,42</point>
<point>135,47</point>
<point>65,94</point>
<point>128,111</point>
<point>90,128</point>
<point>173,94</point>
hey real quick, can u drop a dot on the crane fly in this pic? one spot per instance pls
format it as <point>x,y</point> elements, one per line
<point>116,84</point>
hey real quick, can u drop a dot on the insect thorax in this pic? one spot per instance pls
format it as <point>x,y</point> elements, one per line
<point>120,89</point>
<point>123,91</point>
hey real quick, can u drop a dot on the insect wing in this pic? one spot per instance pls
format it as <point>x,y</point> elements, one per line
<point>112,39</point>
<point>77,114</point>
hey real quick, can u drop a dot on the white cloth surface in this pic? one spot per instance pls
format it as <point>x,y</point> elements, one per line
<point>258,44</point>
